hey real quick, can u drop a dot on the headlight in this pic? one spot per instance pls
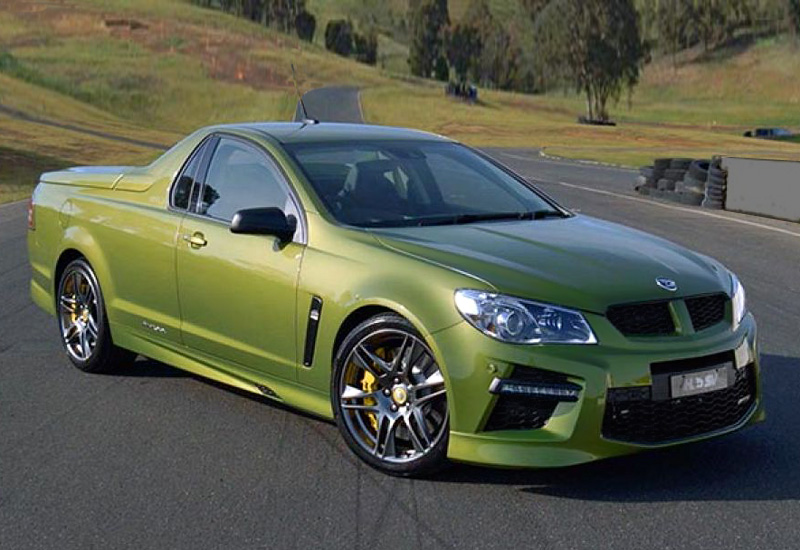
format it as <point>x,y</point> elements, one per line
<point>739,305</point>
<point>522,322</point>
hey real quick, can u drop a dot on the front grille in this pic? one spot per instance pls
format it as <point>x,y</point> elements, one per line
<point>706,311</point>
<point>512,412</point>
<point>636,418</point>
<point>650,319</point>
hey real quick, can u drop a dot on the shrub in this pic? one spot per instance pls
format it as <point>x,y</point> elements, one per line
<point>366,48</point>
<point>305,24</point>
<point>339,36</point>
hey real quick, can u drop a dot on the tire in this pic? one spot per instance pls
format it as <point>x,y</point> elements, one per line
<point>661,164</point>
<point>665,185</point>
<point>692,199</point>
<point>83,324</point>
<point>690,182</point>
<point>680,164</point>
<point>697,190</point>
<point>716,182</point>
<point>699,169</point>
<point>378,401</point>
<point>717,173</point>
<point>674,175</point>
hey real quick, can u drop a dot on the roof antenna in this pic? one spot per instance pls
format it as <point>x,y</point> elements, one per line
<point>306,118</point>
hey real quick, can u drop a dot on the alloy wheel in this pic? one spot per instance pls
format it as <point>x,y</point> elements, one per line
<point>78,314</point>
<point>392,396</point>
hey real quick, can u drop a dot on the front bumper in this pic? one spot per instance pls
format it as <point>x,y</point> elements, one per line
<point>574,432</point>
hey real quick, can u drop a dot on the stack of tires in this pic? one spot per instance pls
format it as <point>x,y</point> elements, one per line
<point>692,188</point>
<point>692,182</point>
<point>716,186</point>
<point>660,179</point>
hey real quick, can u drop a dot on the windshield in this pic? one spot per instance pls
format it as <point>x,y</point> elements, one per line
<point>407,183</point>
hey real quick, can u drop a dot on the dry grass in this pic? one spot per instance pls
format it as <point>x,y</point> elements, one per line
<point>524,121</point>
<point>185,67</point>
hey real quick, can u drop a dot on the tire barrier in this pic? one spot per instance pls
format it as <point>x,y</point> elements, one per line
<point>716,185</point>
<point>687,181</point>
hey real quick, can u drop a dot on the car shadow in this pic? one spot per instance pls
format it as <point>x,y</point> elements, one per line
<point>758,463</point>
<point>144,367</point>
<point>147,368</point>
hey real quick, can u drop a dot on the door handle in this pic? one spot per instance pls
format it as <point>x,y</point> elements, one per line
<point>196,240</point>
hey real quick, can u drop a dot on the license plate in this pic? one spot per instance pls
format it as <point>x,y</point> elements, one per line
<point>695,383</point>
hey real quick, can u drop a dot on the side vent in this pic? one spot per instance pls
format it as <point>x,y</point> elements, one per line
<point>314,313</point>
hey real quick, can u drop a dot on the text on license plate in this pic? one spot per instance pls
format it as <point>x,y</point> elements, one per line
<point>704,381</point>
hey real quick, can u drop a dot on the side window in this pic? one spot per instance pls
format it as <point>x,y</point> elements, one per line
<point>183,190</point>
<point>241,176</point>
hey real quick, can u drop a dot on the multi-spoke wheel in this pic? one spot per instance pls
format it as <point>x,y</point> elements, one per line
<point>389,397</point>
<point>82,321</point>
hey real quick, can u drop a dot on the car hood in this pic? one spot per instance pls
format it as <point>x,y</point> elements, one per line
<point>579,262</point>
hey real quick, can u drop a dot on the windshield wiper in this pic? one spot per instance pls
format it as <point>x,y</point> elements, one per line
<point>460,219</point>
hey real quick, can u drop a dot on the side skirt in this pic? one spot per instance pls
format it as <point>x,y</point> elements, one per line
<point>284,391</point>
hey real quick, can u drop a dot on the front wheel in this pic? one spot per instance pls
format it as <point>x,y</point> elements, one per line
<point>389,398</point>
<point>83,324</point>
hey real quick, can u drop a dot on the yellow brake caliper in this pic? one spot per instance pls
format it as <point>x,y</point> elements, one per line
<point>370,384</point>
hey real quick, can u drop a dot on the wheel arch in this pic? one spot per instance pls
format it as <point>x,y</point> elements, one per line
<point>368,309</point>
<point>66,257</point>
<point>79,243</point>
<point>355,318</point>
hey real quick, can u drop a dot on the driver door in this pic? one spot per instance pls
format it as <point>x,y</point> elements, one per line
<point>237,293</point>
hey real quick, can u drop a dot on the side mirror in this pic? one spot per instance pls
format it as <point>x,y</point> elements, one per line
<point>264,221</point>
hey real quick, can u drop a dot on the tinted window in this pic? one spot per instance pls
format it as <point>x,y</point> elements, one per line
<point>240,176</point>
<point>385,184</point>
<point>186,181</point>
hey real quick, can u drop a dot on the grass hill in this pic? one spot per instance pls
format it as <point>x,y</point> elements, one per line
<point>113,78</point>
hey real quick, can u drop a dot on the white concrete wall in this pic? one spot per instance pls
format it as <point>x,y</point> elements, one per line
<point>766,187</point>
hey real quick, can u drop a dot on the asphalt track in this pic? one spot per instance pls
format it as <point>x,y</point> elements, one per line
<point>155,458</point>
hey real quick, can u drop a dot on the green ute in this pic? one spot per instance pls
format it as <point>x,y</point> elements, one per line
<point>428,300</point>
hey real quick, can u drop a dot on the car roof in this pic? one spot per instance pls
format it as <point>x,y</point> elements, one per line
<point>297,132</point>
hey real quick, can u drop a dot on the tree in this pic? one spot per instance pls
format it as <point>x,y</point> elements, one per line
<point>793,15</point>
<point>366,47</point>
<point>593,44</point>
<point>498,61</point>
<point>441,71</point>
<point>463,49</point>
<point>339,36</point>
<point>428,18</point>
<point>305,24</point>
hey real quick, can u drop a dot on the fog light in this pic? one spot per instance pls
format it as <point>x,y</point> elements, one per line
<point>560,392</point>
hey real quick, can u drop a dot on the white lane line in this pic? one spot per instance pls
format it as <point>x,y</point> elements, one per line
<point>360,108</point>
<point>679,208</point>
<point>566,162</point>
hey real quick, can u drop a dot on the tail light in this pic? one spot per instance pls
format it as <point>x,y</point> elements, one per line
<point>31,217</point>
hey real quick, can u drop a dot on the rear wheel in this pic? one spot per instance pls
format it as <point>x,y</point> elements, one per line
<point>389,398</point>
<point>83,324</point>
